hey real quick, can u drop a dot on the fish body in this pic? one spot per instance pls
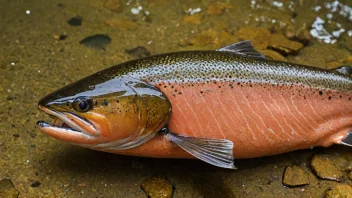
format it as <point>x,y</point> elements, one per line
<point>214,105</point>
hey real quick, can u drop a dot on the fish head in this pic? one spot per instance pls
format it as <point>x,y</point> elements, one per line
<point>105,114</point>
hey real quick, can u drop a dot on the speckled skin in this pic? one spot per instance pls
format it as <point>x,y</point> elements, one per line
<point>264,107</point>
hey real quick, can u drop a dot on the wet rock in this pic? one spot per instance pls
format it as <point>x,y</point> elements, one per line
<point>325,169</point>
<point>114,5</point>
<point>281,43</point>
<point>295,176</point>
<point>218,8</point>
<point>7,189</point>
<point>195,19</point>
<point>157,187</point>
<point>75,21</point>
<point>60,37</point>
<point>138,52</point>
<point>301,34</point>
<point>347,61</point>
<point>339,191</point>
<point>270,54</point>
<point>122,24</point>
<point>260,37</point>
<point>98,41</point>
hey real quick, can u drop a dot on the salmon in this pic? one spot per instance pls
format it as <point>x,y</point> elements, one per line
<point>211,105</point>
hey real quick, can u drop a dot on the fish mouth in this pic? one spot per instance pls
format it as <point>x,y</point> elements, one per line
<point>68,127</point>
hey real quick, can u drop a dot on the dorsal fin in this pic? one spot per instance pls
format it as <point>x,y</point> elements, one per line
<point>243,48</point>
<point>347,70</point>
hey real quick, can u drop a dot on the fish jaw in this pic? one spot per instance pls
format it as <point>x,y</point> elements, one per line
<point>71,128</point>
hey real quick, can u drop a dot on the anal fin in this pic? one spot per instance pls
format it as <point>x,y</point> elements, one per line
<point>218,152</point>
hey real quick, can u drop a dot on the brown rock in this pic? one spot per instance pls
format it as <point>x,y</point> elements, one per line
<point>325,169</point>
<point>339,191</point>
<point>259,36</point>
<point>281,43</point>
<point>156,187</point>
<point>219,8</point>
<point>122,24</point>
<point>342,62</point>
<point>270,54</point>
<point>195,19</point>
<point>295,176</point>
<point>114,5</point>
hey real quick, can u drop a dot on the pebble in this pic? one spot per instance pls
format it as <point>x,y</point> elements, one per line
<point>75,21</point>
<point>281,43</point>
<point>98,41</point>
<point>7,189</point>
<point>295,176</point>
<point>325,169</point>
<point>339,191</point>
<point>157,187</point>
<point>138,52</point>
<point>347,61</point>
<point>114,5</point>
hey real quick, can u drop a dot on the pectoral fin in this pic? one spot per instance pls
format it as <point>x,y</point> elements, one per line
<point>217,152</point>
<point>348,140</point>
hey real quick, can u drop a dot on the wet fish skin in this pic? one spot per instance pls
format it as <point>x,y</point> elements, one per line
<point>263,107</point>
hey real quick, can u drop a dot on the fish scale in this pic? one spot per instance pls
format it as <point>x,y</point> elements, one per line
<point>211,105</point>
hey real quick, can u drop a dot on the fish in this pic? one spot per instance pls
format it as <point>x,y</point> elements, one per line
<point>212,105</point>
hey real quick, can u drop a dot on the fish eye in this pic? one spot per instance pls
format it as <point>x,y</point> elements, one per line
<point>82,104</point>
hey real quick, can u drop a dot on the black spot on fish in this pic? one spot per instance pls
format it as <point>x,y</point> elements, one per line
<point>329,97</point>
<point>118,101</point>
<point>105,102</point>
<point>98,41</point>
<point>320,93</point>
<point>75,21</point>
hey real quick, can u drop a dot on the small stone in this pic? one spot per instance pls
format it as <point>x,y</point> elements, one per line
<point>218,8</point>
<point>122,24</point>
<point>75,21</point>
<point>60,37</point>
<point>281,43</point>
<point>98,41</point>
<point>339,191</point>
<point>138,52</point>
<point>295,176</point>
<point>16,135</point>
<point>35,184</point>
<point>272,55</point>
<point>260,37</point>
<point>325,169</point>
<point>7,189</point>
<point>114,5</point>
<point>157,187</point>
<point>195,19</point>
<point>347,61</point>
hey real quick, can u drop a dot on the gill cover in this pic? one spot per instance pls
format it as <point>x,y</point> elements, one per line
<point>123,111</point>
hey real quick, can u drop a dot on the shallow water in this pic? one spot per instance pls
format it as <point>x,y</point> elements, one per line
<point>40,52</point>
